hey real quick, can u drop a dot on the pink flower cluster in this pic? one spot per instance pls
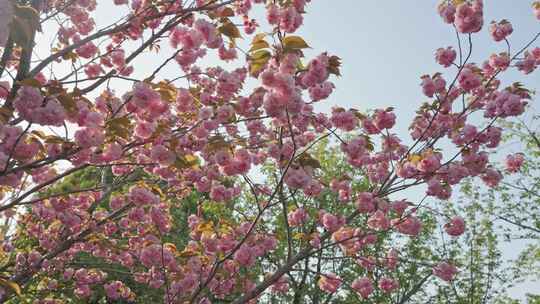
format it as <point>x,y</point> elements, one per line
<point>445,56</point>
<point>433,85</point>
<point>329,283</point>
<point>455,227</point>
<point>500,30</point>
<point>33,107</point>
<point>514,162</point>
<point>297,217</point>
<point>530,61</point>
<point>536,9</point>
<point>289,19</point>
<point>117,290</point>
<point>363,286</point>
<point>467,17</point>
<point>445,271</point>
<point>84,278</point>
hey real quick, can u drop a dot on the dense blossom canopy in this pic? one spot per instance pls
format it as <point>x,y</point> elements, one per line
<point>161,142</point>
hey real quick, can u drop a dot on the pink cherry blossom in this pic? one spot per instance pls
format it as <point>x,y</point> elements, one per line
<point>365,202</point>
<point>363,286</point>
<point>455,227</point>
<point>501,61</point>
<point>388,285</point>
<point>297,217</point>
<point>445,56</point>
<point>329,283</point>
<point>411,225</point>
<point>536,9</point>
<point>447,12</point>
<point>469,18</point>
<point>244,256</point>
<point>468,79</point>
<point>500,30</point>
<point>514,162</point>
<point>142,196</point>
<point>445,271</point>
<point>492,177</point>
<point>528,64</point>
<point>166,111</point>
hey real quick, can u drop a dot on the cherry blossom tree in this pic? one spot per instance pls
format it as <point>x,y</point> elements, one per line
<point>204,136</point>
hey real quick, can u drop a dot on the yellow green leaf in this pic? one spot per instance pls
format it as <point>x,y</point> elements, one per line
<point>226,12</point>
<point>261,55</point>
<point>156,190</point>
<point>54,140</point>
<point>415,158</point>
<point>217,143</point>
<point>369,144</point>
<point>24,24</point>
<point>259,45</point>
<point>334,63</point>
<point>120,126</point>
<point>205,227</point>
<point>12,285</point>
<point>299,236</point>
<point>171,247</point>
<point>230,30</point>
<point>166,91</point>
<point>259,42</point>
<point>358,114</point>
<point>259,37</point>
<point>5,114</point>
<point>186,253</point>
<point>294,43</point>
<point>306,160</point>
<point>67,101</point>
<point>186,161</point>
<point>30,82</point>
<point>70,56</point>
<point>259,60</point>
<point>39,134</point>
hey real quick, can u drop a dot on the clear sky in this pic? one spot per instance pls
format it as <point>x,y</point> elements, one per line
<point>385,47</point>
